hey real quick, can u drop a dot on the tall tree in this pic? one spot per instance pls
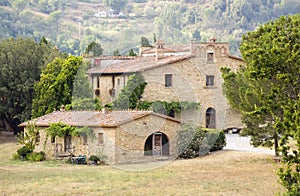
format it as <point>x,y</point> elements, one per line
<point>55,86</point>
<point>20,63</point>
<point>272,58</point>
<point>145,42</point>
<point>131,93</point>
<point>94,49</point>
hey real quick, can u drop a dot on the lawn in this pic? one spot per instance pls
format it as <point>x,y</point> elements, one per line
<point>220,173</point>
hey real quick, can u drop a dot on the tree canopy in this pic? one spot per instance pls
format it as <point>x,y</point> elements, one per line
<point>268,90</point>
<point>21,61</point>
<point>94,49</point>
<point>55,86</point>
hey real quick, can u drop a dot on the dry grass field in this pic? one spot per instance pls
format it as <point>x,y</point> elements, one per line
<point>220,173</point>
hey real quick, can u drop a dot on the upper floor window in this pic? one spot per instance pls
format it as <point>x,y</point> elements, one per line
<point>168,80</point>
<point>100,138</point>
<point>210,80</point>
<point>210,57</point>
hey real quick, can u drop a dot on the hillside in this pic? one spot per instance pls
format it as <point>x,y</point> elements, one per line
<point>72,24</point>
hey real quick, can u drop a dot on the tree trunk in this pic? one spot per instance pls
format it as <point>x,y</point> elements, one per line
<point>276,145</point>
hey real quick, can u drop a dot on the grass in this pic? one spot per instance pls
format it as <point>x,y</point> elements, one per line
<point>220,173</point>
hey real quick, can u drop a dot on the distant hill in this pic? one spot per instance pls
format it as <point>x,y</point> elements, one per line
<point>120,24</point>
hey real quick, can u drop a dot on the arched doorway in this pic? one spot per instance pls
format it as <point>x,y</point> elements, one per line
<point>210,118</point>
<point>157,144</point>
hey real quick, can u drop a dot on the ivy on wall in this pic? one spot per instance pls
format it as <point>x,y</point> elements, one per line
<point>130,95</point>
<point>167,107</point>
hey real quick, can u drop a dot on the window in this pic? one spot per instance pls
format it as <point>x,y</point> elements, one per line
<point>209,80</point>
<point>119,81</point>
<point>98,81</point>
<point>210,57</point>
<point>100,138</point>
<point>168,80</point>
<point>84,139</point>
<point>52,140</point>
<point>38,138</point>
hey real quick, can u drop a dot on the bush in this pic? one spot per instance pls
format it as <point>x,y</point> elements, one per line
<point>36,156</point>
<point>94,158</point>
<point>23,152</point>
<point>196,141</point>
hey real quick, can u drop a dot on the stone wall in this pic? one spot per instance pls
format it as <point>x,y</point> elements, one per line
<point>131,137</point>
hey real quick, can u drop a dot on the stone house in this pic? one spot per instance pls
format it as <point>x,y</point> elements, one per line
<point>177,73</point>
<point>123,136</point>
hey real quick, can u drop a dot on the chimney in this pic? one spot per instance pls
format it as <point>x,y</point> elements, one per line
<point>159,50</point>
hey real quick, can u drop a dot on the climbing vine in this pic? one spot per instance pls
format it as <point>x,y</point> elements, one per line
<point>61,130</point>
<point>130,95</point>
<point>167,107</point>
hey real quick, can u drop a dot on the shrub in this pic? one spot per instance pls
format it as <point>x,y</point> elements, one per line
<point>36,156</point>
<point>94,158</point>
<point>196,141</point>
<point>23,152</point>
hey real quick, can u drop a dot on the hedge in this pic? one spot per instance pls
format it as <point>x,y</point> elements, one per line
<point>194,141</point>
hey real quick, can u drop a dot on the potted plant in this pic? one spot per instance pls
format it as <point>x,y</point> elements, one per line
<point>94,160</point>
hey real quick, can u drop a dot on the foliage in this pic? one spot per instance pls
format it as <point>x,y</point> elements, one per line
<point>116,5</point>
<point>55,85</point>
<point>243,94</point>
<point>21,61</point>
<point>271,75</point>
<point>94,158</point>
<point>72,33</point>
<point>131,53</point>
<point>82,93</point>
<point>29,137</point>
<point>164,107</point>
<point>196,141</point>
<point>36,156</point>
<point>61,130</point>
<point>116,53</point>
<point>131,93</point>
<point>145,42</point>
<point>23,152</point>
<point>94,48</point>
<point>88,132</point>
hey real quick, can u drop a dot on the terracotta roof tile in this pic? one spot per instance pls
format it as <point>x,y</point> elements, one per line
<point>137,65</point>
<point>92,118</point>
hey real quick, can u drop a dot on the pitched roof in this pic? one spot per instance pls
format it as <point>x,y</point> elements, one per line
<point>170,49</point>
<point>137,65</point>
<point>92,118</point>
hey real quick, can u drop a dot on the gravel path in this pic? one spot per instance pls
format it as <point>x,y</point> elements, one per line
<point>235,142</point>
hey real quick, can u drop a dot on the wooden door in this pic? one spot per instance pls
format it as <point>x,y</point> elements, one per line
<point>157,144</point>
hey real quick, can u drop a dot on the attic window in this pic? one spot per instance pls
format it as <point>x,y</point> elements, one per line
<point>210,57</point>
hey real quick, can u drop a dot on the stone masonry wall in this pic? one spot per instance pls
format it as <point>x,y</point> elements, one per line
<point>131,137</point>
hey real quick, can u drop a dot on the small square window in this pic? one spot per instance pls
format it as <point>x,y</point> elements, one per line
<point>210,80</point>
<point>210,57</point>
<point>168,80</point>
<point>100,138</point>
